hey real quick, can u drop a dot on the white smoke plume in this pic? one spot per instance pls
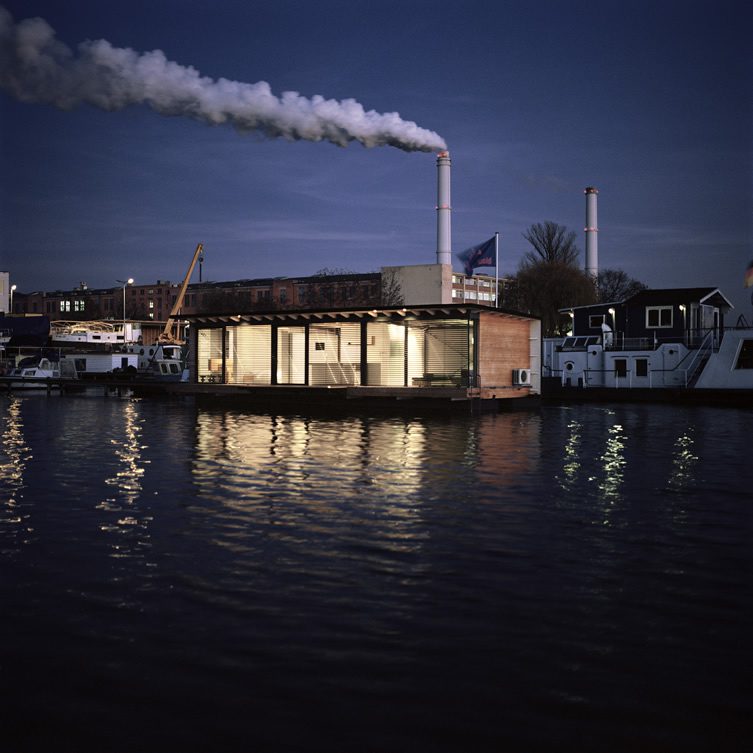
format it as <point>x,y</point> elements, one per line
<point>36,67</point>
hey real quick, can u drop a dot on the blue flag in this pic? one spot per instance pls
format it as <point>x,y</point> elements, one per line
<point>483,255</point>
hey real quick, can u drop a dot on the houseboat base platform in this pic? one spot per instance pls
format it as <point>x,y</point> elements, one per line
<point>301,398</point>
<point>345,397</point>
<point>738,398</point>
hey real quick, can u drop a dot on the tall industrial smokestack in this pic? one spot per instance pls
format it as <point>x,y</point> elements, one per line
<point>444,235</point>
<point>592,230</point>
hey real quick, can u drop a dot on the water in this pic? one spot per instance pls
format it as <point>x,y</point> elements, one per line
<point>178,578</point>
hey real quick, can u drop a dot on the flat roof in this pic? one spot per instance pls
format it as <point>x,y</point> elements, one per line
<point>437,311</point>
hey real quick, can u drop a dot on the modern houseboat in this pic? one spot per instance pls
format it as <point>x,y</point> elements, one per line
<point>454,352</point>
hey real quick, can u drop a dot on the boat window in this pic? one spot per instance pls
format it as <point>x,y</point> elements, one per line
<point>595,321</point>
<point>658,317</point>
<point>620,367</point>
<point>745,355</point>
<point>641,367</point>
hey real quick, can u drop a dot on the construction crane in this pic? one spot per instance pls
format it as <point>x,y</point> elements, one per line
<point>167,334</point>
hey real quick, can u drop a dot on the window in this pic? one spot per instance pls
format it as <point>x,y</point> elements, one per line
<point>595,321</point>
<point>745,356</point>
<point>620,367</point>
<point>78,305</point>
<point>658,317</point>
<point>641,367</point>
<point>151,304</point>
<point>283,295</point>
<point>65,305</point>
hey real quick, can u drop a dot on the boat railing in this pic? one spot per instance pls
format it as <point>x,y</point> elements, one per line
<point>619,342</point>
<point>699,358</point>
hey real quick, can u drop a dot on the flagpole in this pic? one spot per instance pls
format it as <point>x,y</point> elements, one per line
<point>496,270</point>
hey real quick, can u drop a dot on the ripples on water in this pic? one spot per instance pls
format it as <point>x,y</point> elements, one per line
<point>178,578</point>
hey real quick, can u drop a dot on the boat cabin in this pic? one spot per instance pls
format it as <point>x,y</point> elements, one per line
<point>650,317</point>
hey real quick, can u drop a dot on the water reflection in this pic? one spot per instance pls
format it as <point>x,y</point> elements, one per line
<point>318,468</point>
<point>365,478</point>
<point>15,456</point>
<point>684,461</point>
<point>571,464</point>
<point>127,522</point>
<point>613,465</point>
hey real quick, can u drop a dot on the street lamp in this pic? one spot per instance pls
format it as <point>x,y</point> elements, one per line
<point>125,283</point>
<point>12,288</point>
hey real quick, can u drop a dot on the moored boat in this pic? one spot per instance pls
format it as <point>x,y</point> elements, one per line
<point>40,373</point>
<point>672,340</point>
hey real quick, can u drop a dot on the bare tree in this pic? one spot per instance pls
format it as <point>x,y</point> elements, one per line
<point>333,272</point>
<point>392,292</point>
<point>552,243</point>
<point>616,285</point>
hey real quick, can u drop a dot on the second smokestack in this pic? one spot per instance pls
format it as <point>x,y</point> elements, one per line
<point>592,230</point>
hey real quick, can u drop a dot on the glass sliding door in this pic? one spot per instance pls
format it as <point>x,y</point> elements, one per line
<point>334,354</point>
<point>249,354</point>
<point>440,353</point>
<point>291,355</point>
<point>385,354</point>
<point>209,355</point>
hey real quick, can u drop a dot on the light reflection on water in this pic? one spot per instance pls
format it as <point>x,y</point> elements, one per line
<point>572,455</point>
<point>684,462</point>
<point>613,461</point>
<point>278,573</point>
<point>14,458</point>
<point>124,519</point>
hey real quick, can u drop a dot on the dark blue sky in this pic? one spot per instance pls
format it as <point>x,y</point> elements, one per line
<point>649,101</point>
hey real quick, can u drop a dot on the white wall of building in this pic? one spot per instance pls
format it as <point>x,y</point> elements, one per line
<point>423,284</point>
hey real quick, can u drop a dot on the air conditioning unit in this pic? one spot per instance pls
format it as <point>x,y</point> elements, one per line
<point>521,377</point>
